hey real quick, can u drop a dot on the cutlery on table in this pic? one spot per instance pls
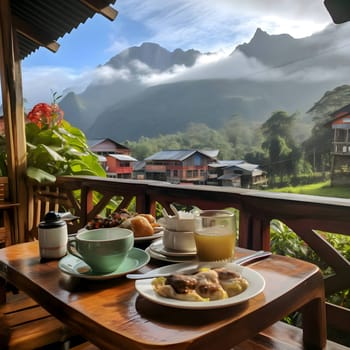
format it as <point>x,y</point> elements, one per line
<point>240,261</point>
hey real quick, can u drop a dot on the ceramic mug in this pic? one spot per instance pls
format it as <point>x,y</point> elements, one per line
<point>104,249</point>
<point>179,240</point>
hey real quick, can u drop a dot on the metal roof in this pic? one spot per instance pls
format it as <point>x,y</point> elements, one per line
<point>101,158</point>
<point>139,165</point>
<point>95,142</point>
<point>225,163</point>
<point>123,157</point>
<point>245,166</point>
<point>180,155</point>
<point>40,22</point>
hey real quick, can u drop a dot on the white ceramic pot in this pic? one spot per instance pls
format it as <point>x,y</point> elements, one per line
<point>179,240</point>
<point>52,236</point>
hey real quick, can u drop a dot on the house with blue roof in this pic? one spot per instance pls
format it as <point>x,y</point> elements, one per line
<point>180,166</point>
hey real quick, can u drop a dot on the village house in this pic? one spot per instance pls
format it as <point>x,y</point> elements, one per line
<point>180,166</point>
<point>340,166</point>
<point>236,173</point>
<point>114,157</point>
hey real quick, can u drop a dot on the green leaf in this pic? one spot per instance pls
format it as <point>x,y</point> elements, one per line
<point>61,150</point>
<point>40,175</point>
<point>86,167</point>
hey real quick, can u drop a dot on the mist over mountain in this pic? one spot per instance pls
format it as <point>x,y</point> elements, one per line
<point>121,79</point>
<point>154,56</point>
<point>148,90</point>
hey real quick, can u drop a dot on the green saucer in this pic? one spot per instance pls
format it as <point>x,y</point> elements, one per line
<point>76,267</point>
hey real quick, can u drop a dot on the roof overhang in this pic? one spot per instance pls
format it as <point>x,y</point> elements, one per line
<point>40,23</point>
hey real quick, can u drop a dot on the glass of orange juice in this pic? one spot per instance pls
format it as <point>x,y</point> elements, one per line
<point>215,235</point>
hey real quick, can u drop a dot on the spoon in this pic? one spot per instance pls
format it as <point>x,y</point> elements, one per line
<point>192,268</point>
<point>173,208</point>
<point>165,213</point>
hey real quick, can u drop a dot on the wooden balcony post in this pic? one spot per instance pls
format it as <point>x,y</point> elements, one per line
<point>254,233</point>
<point>12,100</point>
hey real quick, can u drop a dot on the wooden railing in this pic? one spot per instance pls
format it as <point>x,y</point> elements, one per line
<point>305,215</point>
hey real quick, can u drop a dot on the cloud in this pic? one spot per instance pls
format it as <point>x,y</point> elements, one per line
<point>218,66</point>
<point>208,25</point>
<point>40,82</point>
<point>106,75</point>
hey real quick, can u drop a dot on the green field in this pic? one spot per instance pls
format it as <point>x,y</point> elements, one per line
<point>319,189</point>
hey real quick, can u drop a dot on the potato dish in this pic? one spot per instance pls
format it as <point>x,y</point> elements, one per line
<point>205,285</point>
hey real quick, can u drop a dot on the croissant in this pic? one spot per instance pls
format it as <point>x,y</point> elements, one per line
<point>141,226</point>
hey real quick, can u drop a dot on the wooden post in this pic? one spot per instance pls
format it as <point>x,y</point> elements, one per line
<point>12,99</point>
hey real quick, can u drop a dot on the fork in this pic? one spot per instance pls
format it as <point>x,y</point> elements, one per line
<point>240,261</point>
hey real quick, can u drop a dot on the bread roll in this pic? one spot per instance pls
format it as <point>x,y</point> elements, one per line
<point>141,226</point>
<point>151,219</point>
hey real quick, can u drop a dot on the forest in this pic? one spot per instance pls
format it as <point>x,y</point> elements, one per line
<point>294,149</point>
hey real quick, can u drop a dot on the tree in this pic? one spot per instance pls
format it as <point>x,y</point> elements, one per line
<point>240,135</point>
<point>318,146</point>
<point>279,144</point>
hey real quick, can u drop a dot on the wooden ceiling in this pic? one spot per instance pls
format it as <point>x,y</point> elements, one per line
<point>43,22</point>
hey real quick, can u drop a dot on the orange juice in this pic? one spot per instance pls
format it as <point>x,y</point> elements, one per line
<point>215,247</point>
<point>215,235</point>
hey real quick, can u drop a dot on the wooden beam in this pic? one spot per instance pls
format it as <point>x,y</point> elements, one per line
<point>12,99</point>
<point>34,34</point>
<point>101,7</point>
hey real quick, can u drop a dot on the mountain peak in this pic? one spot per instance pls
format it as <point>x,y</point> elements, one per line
<point>269,49</point>
<point>154,56</point>
<point>260,34</point>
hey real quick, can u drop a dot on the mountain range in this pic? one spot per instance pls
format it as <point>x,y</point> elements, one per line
<point>152,91</point>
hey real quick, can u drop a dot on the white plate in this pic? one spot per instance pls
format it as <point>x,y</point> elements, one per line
<point>255,280</point>
<point>158,247</point>
<point>174,259</point>
<point>71,265</point>
<point>149,238</point>
<point>138,239</point>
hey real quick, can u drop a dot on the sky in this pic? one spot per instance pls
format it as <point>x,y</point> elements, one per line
<point>205,25</point>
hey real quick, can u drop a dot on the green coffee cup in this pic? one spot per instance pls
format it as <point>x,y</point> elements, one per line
<point>104,249</point>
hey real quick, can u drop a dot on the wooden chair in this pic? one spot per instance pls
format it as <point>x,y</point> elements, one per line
<point>281,336</point>
<point>41,200</point>
<point>6,213</point>
<point>30,326</point>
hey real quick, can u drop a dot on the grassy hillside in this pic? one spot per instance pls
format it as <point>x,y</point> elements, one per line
<point>319,189</point>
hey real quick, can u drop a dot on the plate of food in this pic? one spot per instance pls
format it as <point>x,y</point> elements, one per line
<point>230,284</point>
<point>144,226</point>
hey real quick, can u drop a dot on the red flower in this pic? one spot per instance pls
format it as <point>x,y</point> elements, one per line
<point>47,115</point>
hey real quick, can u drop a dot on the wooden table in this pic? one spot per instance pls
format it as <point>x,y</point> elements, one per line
<point>112,315</point>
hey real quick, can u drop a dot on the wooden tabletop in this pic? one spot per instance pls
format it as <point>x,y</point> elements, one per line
<point>111,314</point>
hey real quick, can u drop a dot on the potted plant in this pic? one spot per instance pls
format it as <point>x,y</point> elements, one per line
<point>55,147</point>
